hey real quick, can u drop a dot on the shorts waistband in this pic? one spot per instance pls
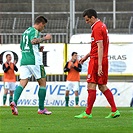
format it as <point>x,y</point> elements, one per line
<point>97,57</point>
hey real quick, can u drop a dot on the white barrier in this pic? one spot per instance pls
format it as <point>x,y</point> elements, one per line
<point>54,54</point>
<point>55,96</point>
<point>120,52</point>
<point>120,57</point>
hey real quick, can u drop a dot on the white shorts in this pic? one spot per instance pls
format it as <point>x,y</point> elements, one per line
<point>37,71</point>
<point>10,86</point>
<point>72,85</point>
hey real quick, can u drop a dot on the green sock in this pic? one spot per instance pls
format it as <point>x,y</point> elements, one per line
<point>10,99</point>
<point>76,100</point>
<point>41,95</point>
<point>4,99</point>
<point>67,100</point>
<point>17,93</point>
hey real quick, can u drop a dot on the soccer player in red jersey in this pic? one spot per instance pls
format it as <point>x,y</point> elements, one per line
<point>98,65</point>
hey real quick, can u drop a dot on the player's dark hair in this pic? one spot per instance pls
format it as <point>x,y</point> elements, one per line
<point>90,13</point>
<point>8,55</point>
<point>74,53</point>
<point>40,19</point>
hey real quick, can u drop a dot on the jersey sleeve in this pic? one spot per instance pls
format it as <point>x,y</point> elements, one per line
<point>79,68</point>
<point>5,69</point>
<point>66,69</point>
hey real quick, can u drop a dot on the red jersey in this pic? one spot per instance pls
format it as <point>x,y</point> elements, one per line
<point>99,33</point>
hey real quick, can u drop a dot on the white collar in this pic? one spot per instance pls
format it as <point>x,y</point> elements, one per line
<point>95,23</point>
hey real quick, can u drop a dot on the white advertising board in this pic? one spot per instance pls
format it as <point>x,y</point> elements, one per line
<point>55,96</point>
<point>52,56</point>
<point>120,57</point>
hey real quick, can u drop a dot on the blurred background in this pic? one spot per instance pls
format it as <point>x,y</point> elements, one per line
<point>66,24</point>
<point>64,20</point>
<point>16,16</point>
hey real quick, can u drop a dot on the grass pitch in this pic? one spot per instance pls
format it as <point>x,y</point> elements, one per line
<point>62,121</point>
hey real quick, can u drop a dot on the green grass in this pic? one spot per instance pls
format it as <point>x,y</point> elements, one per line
<point>62,121</point>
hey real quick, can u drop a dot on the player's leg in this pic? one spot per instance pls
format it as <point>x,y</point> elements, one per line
<point>76,99</point>
<point>91,87</point>
<point>42,92</point>
<point>67,98</point>
<point>11,96</point>
<point>19,89</point>
<point>11,88</point>
<point>39,73</point>
<point>90,101</point>
<point>109,96</point>
<point>69,86</point>
<point>6,87</point>
<point>17,93</point>
<point>24,75</point>
<point>102,81</point>
<point>91,97</point>
<point>5,96</point>
<point>76,90</point>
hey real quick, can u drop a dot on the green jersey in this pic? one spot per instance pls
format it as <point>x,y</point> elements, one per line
<point>30,52</point>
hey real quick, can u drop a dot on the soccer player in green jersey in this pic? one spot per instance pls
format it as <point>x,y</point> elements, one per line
<point>31,64</point>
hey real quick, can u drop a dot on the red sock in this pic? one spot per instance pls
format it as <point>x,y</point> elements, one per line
<point>110,99</point>
<point>90,100</point>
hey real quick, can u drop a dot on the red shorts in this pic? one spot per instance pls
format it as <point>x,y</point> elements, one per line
<point>92,76</point>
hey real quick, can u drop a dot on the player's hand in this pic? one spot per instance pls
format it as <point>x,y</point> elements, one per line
<point>82,60</point>
<point>100,72</point>
<point>41,48</point>
<point>48,37</point>
<point>72,65</point>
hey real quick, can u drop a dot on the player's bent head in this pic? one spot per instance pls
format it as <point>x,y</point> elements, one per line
<point>89,13</point>
<point>40,19</point>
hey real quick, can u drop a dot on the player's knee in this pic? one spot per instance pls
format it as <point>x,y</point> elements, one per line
<point>42,82</point>
<point>76,93</point>
<point>6,92</point>
<point>23,82</point>
<point>91,86</point>
<point>11,93</point>
<point>67,93</point>
<point>102,88</point>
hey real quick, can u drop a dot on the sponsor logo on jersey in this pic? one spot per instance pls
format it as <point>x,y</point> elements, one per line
<point>92,39</point>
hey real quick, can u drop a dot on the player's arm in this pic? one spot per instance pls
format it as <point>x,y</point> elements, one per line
<point>15,67</point>
<point>66,69</point>
<point>40,40</point>
<point>82,60</point>
<point>5,69</point>
<point>100,57</point>
<point>79,68</point>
